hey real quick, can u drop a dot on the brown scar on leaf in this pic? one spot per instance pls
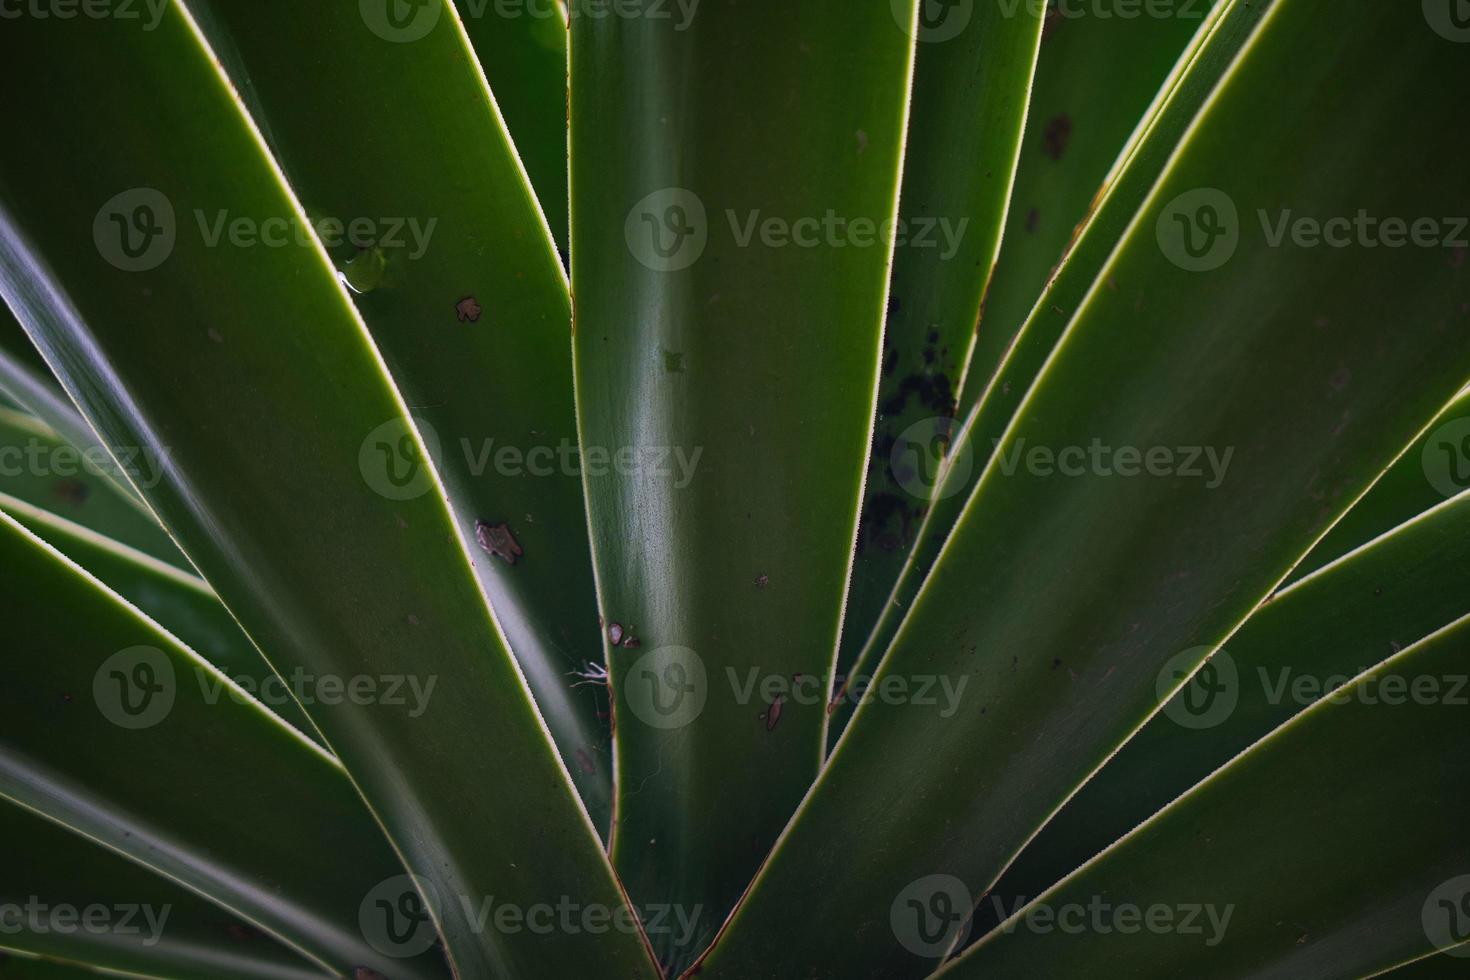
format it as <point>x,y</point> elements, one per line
<point>762,581</point>
<point>773,714</point>
<point>468,309</point>
<point>74,492</point>
<point>1058,135</point>
<point>584,761</point>
<point>498,540</point>
<point>615,634</point>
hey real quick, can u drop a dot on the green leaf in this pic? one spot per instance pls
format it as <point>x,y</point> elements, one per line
<point>1208,57</point>
<point>70,899</point>
<point>1438,966</point>
<point>1097,76</point>
<point>25,377</point>
<point>1434,468</point>
<point>425,166</point>
<point>250,367</point>
<point>523,50</point>
<point>123,736</point>
<point>729,373</point>
<point>1321,872</point>
<point>181,602</point>
<point>1312,637</point>
<point>966,116</point>
<point>38,467</point>
<point>1064,592</point>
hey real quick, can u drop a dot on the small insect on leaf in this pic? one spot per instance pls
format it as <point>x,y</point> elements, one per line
<point>498,540</point>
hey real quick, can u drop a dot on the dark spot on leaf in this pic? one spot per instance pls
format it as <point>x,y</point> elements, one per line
<point>73,492</point>
<point>467,309</point>
<point>762,581</point>
<point>1033,220</point>
<point>498,540</point>
<point>772,714</point>
<point>1058,136</point>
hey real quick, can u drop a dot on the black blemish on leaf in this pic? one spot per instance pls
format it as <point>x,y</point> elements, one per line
<point>1058,135</point>
<point>1033,220</point>
<point>498,540</point>
<point>1056,663</point>
<point>631,642</point>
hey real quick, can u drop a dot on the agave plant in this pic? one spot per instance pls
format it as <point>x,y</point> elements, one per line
<point>734,488</point>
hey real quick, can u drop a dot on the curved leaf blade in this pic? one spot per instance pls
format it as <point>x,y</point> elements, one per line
<point>220,354</point>
<point>1302,872</point>
<point>967,113</point>
<point>72,900</point>
<point>429,166</point>
<point>105,730</point>
<point>1311,638</point>
<point>1062,594</point>
<point>703,313</point>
